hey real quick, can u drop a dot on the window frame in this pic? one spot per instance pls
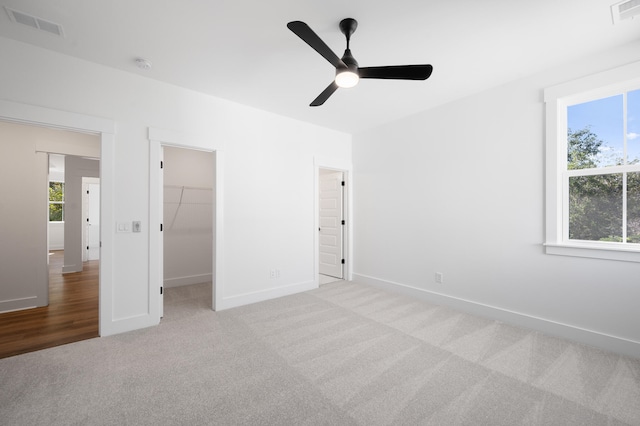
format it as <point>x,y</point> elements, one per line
<point>557,99</point>
<point>57,202</point>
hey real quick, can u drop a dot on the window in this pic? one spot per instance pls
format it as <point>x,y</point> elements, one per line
<point>56,201</point>
<point>593,166</point>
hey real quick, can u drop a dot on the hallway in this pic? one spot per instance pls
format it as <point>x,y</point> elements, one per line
<point>72,314</point>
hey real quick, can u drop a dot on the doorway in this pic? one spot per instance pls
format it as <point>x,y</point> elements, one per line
<point>188,230</point>
<point>332,224</point>
<point>37,299</point>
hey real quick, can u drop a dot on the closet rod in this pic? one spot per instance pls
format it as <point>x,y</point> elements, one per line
<point>201,188</point>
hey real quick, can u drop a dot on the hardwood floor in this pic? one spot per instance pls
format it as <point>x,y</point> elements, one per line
<point>72,314</point>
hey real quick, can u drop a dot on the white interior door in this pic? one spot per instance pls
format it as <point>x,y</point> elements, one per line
<point>93,222</point>
<point>331,223</point>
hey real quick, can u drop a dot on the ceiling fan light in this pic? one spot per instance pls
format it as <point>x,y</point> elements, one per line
<point>347,79</point>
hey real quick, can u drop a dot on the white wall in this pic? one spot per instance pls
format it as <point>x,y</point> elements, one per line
<point>189,178</point>
<point>56,235</point>
<point>459,190</point>
<point>24,209</point>
<point>75,168</point>
<point>268,173</point>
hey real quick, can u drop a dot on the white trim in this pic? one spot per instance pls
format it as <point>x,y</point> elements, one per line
<point>268,294</point>
<point>108,325</point>
<point>612,252</point>
<point>592,86</point>
<point>39,116</point>
<point>13,305</point>
<point>578,334</point>
<point>556,99</point>
<point>53,118</point>
<point>187,280</point>
<point>347,168</point>
<point>156,269</point>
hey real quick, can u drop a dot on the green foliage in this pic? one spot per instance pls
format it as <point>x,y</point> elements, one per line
<point>55,212</point>
<point>633,207</point>
<point>56,193</point>
<point>583,148</point>
<point>595,202</point>
<point>595,207</point>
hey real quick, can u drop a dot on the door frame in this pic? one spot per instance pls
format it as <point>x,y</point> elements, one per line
<point>340,228</point>
<point>106,129</point>
<point>86,208</point>
<point>346,168</point>
<point>158,138</point>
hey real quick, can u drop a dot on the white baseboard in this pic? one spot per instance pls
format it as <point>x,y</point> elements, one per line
<point>188,280</point>
<point>261,296</point>
<point>18,304</point>
<point>589,337</point>
<point>66,269</point>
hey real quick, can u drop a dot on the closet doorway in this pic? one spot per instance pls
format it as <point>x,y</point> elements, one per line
<point>188,230</point>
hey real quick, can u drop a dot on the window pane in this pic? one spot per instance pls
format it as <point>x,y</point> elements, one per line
<point>596,130</point>
<point>55,212</point>
<point>633,126</point>
<point>595,207</point>
<point>56,191</point>
<point>633,208</point>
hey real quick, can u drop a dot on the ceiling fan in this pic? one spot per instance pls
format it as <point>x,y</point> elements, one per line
<point>348,73</point>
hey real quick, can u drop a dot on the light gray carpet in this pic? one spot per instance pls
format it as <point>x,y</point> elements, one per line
<point>345,354</point>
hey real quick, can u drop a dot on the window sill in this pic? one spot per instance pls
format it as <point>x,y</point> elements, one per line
<point>593,251</point>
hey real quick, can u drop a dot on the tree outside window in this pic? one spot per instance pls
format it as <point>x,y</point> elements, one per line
<point>56,201</point>
<point>603,159</point>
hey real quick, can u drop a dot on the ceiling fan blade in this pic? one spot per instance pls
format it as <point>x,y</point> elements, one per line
<point>303,31</point>
<point>397,72</point>
<point>322,97</point>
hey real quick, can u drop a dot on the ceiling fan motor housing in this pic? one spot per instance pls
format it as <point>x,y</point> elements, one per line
<point>349,61</point>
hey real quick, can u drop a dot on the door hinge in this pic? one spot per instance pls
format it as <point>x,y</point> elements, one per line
<point>342,183</point>
<point>87,192</point>
<point>160,227</point>
<point>343,261</point>
<point>160,290</point>
<point>343,221</point>
<point>161,164</point>
<point>87,247</point>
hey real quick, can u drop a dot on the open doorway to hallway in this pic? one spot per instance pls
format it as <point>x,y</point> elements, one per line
<point>40,306</point>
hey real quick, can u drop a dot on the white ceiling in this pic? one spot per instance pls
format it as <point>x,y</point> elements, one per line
<point>241,50</point>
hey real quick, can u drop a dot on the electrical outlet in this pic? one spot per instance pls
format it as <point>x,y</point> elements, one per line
<point>439,278</point>
<point>274,274</point>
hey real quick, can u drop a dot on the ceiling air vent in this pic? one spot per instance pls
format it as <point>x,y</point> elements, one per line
<point>34,22</point>
<point>625,10</point>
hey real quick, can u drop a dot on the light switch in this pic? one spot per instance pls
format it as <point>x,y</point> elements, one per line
<point>123,227</point>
